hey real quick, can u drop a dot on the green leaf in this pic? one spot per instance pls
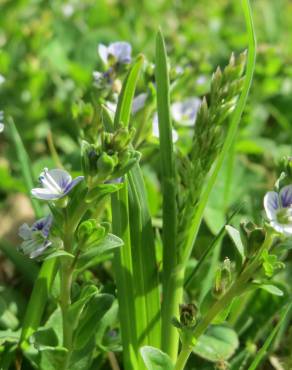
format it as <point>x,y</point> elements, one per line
<point>25,163</point>
<point>77,307</point>
<point>103,247</point>
<point>59,253</point>
<point>124,107</point>
<point>272,289</point>
<point>9,336</point>
<point>145,272</point>
<point>90,318</point>
<point>235,237</point>
<point>52,358</point>
<point>218,343</point>
<point>38,299</point>
<point>101,191</point>
<point>168,169</point>
<point>155,359</point>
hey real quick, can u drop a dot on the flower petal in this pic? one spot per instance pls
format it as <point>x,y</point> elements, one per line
<point>286,196</point>
<point>121,51</point>
<point>103,53</point>
<point>24,232</point>
<point>271,204</point>
<point>37,252</point>
<point>61,177</point>
<point>73,183</point>
<point>185,112</point>
<point>45,194</point>
<point>1,127</point>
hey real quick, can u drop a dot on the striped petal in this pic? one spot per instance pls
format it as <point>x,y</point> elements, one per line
<point>271,204</point>
<point>286,196</point>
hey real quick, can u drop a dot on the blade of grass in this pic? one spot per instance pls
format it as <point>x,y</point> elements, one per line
<point>264,349</point>
<point>231,132</point>
<point>24,161</point>
<point>122,261</point>
<point>123,268</point>
<point>38,300</point>
<point>145,267</point>
<point>171,279</point>
<point>124,107</point>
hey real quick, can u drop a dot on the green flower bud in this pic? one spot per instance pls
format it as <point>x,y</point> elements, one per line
<point>106,165</point>
<point>90,233</point>
<point>187,315</point>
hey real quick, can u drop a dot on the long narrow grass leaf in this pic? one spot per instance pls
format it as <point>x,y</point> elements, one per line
<point>123,264</point>
<point>171,285</point>
<point>25,164</point>
<point>38,299</point>
<point>145,267</point>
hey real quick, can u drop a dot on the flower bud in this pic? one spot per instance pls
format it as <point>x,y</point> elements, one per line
<point>106,165</point>
<point>187,315</point>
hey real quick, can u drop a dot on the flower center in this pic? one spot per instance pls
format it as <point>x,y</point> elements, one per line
<point>284,216</point>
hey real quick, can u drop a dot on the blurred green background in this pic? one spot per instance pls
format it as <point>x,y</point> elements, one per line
<point>48,51</point>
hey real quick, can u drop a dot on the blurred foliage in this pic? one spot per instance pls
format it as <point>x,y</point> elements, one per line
<point>48,51</point>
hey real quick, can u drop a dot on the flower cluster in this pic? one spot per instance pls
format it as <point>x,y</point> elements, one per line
<point>56,184</point>
<point>36,237</point>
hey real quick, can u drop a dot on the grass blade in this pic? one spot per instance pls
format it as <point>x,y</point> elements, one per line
<point>122,261</point>
<point>145,267</point>
<point>38,300</point>
<point>171,281</point>
<point>124,107</point>
<point>231,132</point>
<point>24,161</point>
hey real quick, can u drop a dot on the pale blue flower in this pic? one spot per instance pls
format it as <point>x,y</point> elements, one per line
<point>120,51</point>
<point>278,207</point>
<point>35,237</point>
<point>185,112</point>
<point>55,184</point>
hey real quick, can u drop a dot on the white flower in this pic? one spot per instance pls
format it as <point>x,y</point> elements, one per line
<point>55,184</point>
<point>185,112</point>
<point>278,209</point>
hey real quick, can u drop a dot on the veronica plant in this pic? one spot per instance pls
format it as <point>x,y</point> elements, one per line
<point>142,310</point>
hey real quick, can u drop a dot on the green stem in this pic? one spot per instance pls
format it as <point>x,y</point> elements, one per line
<point>183,357</point>
<point>65,302</point>
<point>172,297</point>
